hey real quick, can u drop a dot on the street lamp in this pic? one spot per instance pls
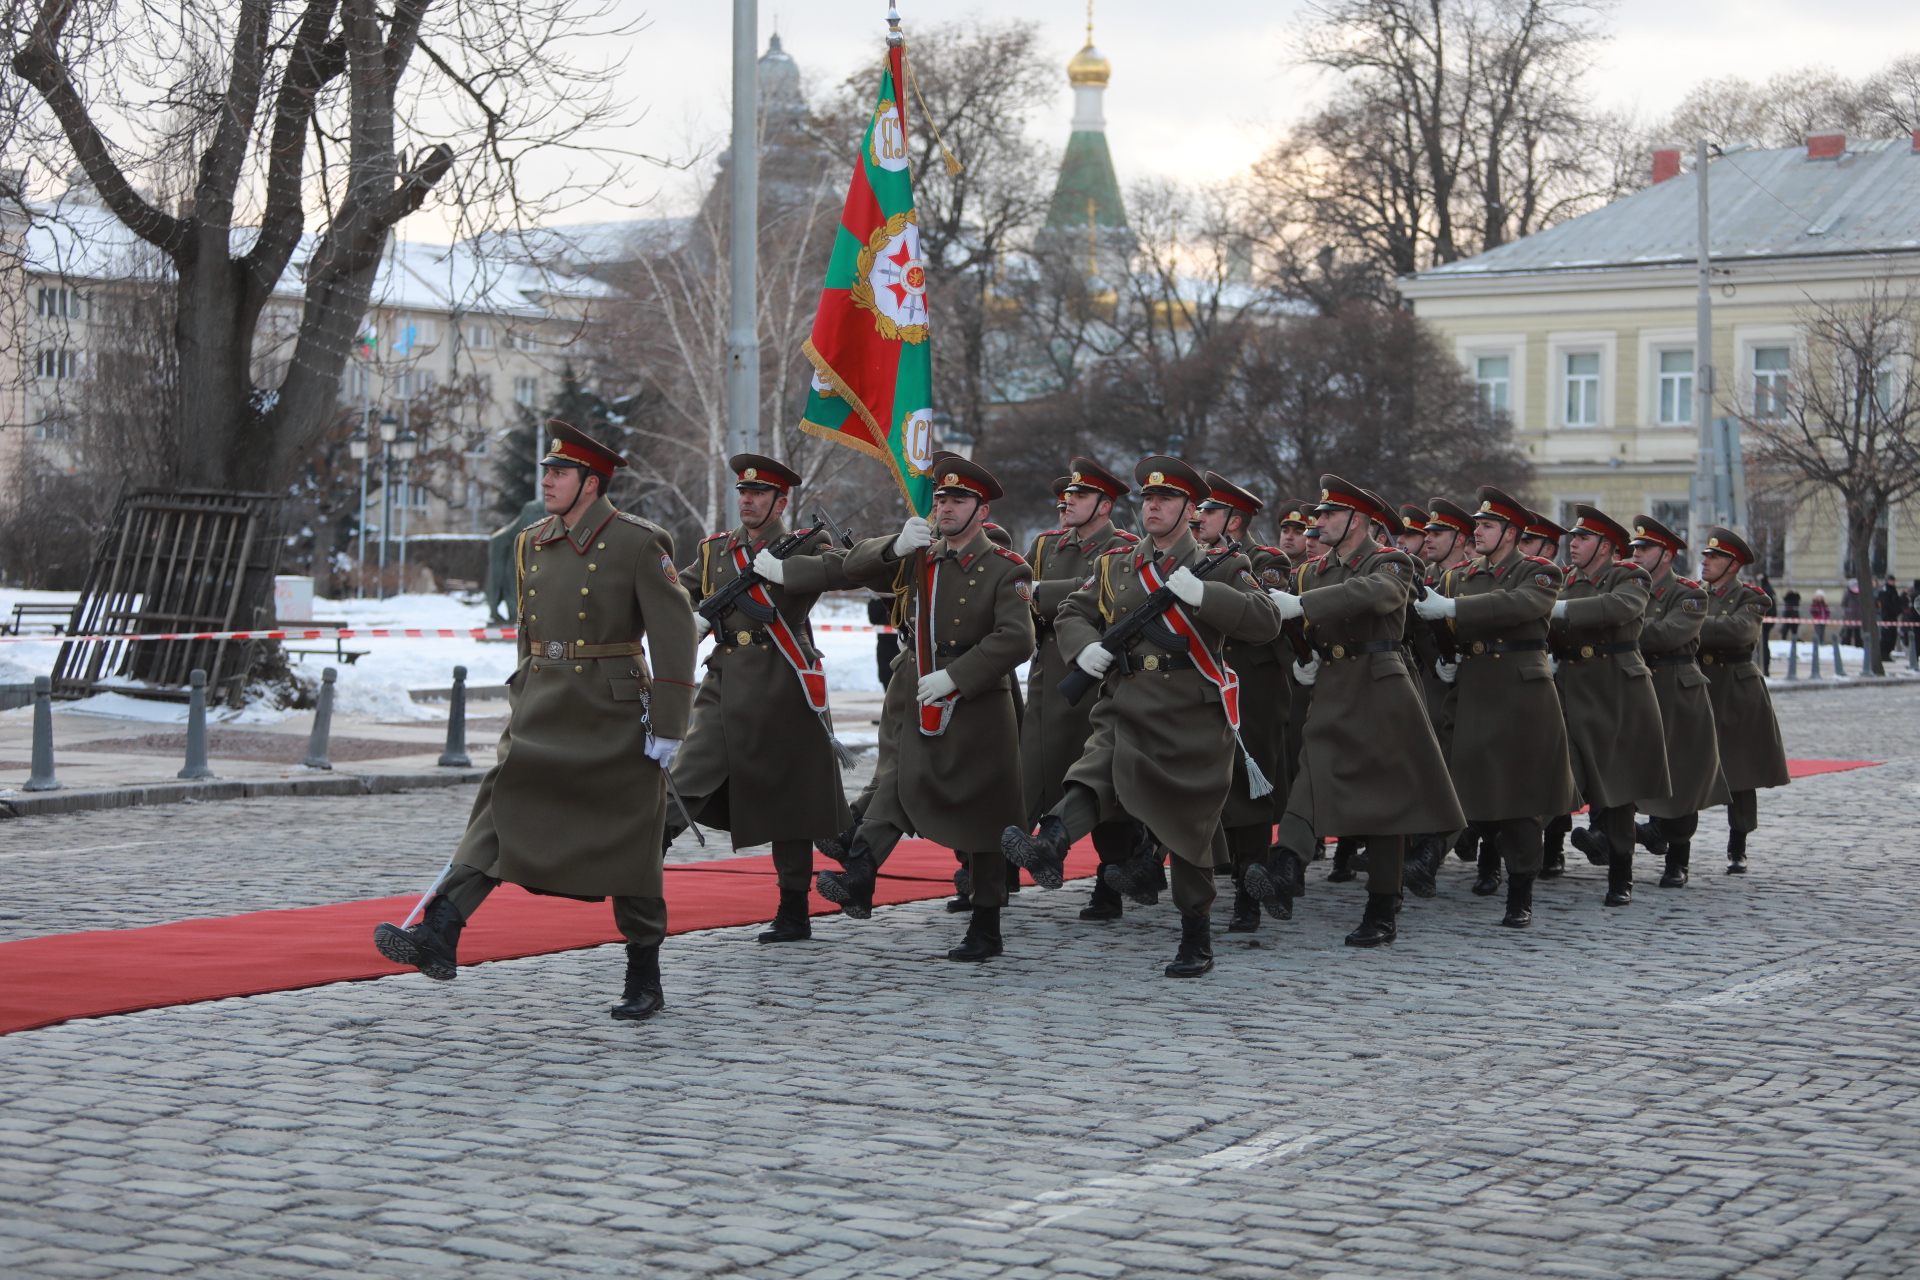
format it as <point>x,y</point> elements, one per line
<point>405,447</point>
<point>357,450</point>
<point>389,429</point>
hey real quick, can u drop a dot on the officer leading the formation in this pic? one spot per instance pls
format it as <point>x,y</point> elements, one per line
<point>1751,754</point>
<point>577,805</point>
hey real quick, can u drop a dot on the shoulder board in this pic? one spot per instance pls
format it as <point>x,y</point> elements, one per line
<point>642,521</point>
<point>1757,591</point>
<point>1543,560</point>
<point>1116,551</point>
<point>1123,534</point>
<point>1690,582</point>
<point>1272,551</point>
<point>716,537</point>
<point>1014,556</point>
<point>1048,533</point>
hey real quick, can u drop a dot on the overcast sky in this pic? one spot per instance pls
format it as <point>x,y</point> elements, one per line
<point>1197,89</point>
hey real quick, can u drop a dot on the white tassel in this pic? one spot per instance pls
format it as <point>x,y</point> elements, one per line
<point>1257,784</point>
<point>841,751</point>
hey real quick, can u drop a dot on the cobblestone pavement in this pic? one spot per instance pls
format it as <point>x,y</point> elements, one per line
<point>1716,1081</point>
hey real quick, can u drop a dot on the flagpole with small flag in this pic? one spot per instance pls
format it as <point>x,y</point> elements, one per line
<point>872,386</point>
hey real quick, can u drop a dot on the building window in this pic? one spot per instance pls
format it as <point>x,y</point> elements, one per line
<point>1769,516</point>
<point>57,364</point>
<point>1583,389</point>
<point>356,386</point>
<point>54,432</point>
<point>477,445</point>
<point>521,340</point>
<point>414,496</point>
<point>480,337</point>
<point>1676,387</point>
<point>1771,369</point>
<point>1850,563</point>
<point>416,383</point>
<point>62,303</point>
<point>1673,513</point>
<point>526,391</point>
<point>1493,376</point>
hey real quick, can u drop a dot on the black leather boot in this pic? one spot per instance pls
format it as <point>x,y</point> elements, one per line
<point>1736,853</point>
<point>1593,842</point>
<point>1424,854</point>
<point>1553,855</point>
<point>641,998</point>
<point>1342,861</point>
<point>1466,845</point>
<point>836,847</point>
<point>1679,854</point>
<point>1488,882</point>
<point>983,937</point>
<point>852,885</point>
<point>1376,923</point>
<point>431,946</point>
<point>1276,882</point>
<point>1013,877</point>
<point>1246,913</point>
<point>962,899</point>
<point>1043,855</point>
<point>1620,879</point>
<point>1519,902</point>
<point>1142,875</point>
<point>790,922</point>
<point>1195,956</point>
<point>1650,837</point>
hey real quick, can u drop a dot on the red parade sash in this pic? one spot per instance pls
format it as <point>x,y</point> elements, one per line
<point>813,676</point>
<point>934,715</point>
<point>1217,673</point>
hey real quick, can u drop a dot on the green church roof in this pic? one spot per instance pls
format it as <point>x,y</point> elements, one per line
<point>1086,173</point>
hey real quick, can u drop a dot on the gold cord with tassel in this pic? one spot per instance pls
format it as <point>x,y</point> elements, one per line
<point>953,166</point>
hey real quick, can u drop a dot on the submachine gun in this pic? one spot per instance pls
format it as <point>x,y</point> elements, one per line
<point>1143,621</point>
<point>735,595</point>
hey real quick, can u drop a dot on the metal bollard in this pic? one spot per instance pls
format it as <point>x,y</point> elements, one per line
<point>1839,670</point>
<point>455,756</point>
<point>42,779</point>
<point>1913,648</point>
<point>196,726</point>
<point>322,722</point>
<point>1793,657</point>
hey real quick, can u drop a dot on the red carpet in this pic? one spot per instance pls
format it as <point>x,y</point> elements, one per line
<point>86,975</point>
<point>1807,768</point>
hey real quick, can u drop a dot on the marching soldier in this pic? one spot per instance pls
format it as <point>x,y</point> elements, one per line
<point>1541,537</point>
<point>1413,532</point>
<point>759,759</point>
<point>1448,545</point>
<point>1294,519</point>
<point>1508,754</point>
<point>1164,729</point>
<point>1371,767</point>
<point>1606,692</point>
<point>577,804</point>
<point>1670,646</point>
<point>1054,732</point>
<point>1248,819</point>
<point>1751,754</point>
<point>950,752</point>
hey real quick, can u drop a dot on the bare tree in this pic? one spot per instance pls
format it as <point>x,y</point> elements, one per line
<point>1847,426</point>
<point>276,109</point>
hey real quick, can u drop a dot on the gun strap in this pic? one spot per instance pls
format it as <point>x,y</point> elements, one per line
<point>812,673</point>
<point>1205,661</point>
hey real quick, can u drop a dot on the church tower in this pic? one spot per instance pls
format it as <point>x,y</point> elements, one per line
<point>1086,197</point>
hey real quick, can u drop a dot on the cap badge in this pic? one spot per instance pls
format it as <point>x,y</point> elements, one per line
<point>1156,477</point>
<point>1486,506</point>
<point>952,477</point>
<point>1324,495</point>
<point>1076,477</point>
<point>1713,542</point>
<point>751,473</point>
<point>1639,529</point>
<point>554,447</point>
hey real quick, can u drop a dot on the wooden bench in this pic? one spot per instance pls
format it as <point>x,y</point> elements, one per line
<point>339,650</point>
<point>56,618</point>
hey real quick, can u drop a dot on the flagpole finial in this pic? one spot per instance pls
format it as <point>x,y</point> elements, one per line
<point>894,38</point>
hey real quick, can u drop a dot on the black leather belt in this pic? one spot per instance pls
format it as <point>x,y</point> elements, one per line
<point>1668,659</point>
<point>1158,662</point>
<point>949,649</point>
<point>1354,649</point>
<point>1492,648</point>
<point>1578,652</point>
<point>1726,657</point>
<point>742,639</point>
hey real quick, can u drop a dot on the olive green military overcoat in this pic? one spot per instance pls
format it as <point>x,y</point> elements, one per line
<point>1670,645</point>
<point>1369,764</point>
<point>757,750</point>
<point>574,806</point>
<point>962,787</point>
<point>1508,754</point>
<point>1751,753</point>
<point>1264,667</point>
<point>1053,734</point>
<point>1618,747</point>
<point>1162,750</point>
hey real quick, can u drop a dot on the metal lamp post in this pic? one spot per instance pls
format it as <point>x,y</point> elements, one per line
<point>405,447</point>
<point>389,428</point>
<point>357,449</point>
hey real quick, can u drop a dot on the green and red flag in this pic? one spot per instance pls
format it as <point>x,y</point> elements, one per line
<point>872,364</point>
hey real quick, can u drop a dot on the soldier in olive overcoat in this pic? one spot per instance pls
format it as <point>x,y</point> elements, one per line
<point>577,804</point>
<point>1294,518</point>
<point>1508,754</point>
<point>1054,732</point>
<point>950,761</point>
<point>1670,646</point>
<point>1606,692</point>
<point>1370,766</point>
<point>1164,739</point>
<point>759,759</point>
<point>1751,753</point>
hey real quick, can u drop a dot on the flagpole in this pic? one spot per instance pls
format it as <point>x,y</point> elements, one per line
<point>743,336</point>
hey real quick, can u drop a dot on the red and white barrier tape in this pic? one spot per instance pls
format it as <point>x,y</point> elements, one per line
<point>343,633</point>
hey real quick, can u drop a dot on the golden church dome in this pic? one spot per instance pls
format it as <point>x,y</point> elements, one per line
<point>1088,67</point>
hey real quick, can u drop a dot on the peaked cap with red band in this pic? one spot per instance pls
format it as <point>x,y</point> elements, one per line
<point>1060,486</point>
<point>1449,514</point>
<point>1497,504</point>
<point>1413,518</point>
<point>571,447</point>
<point>1594,520</point>
<point>955,474</point>
<point>1726,542</point>
<point>1338,495</point>
<point>1222,492</point>
<point>1090,477</point>
<point>1169,475</point>
<point>1538,526</point>
<point>1293,511</point>
<point>1647,530</point>
<point>752,471</point>
<point>1385,514</point>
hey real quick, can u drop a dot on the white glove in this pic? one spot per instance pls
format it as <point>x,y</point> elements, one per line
<point>1553,664</point>
<point>1290,606</point>
<point>933,688</point>
<point>662,751</point>
<point>1434,605</point>
<point>1447,671</point>
<point>1187,588</point>
<point>770,566</point>
<point>1559,608</point>
<point>700,627</point>
<point>1094,660</point>
<point>916,532</point>
<point>1307,674</point>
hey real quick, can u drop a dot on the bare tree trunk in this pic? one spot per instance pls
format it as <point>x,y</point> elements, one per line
<point>1862,524</point>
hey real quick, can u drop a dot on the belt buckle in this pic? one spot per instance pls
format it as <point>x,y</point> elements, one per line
<point>1586,651</point>
<point>1479,646</point>
<point>1150,663</point>
<point>1707,658</point>
<point>743,638</point>
<point>1339,651</point>
<point>556,649</point>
